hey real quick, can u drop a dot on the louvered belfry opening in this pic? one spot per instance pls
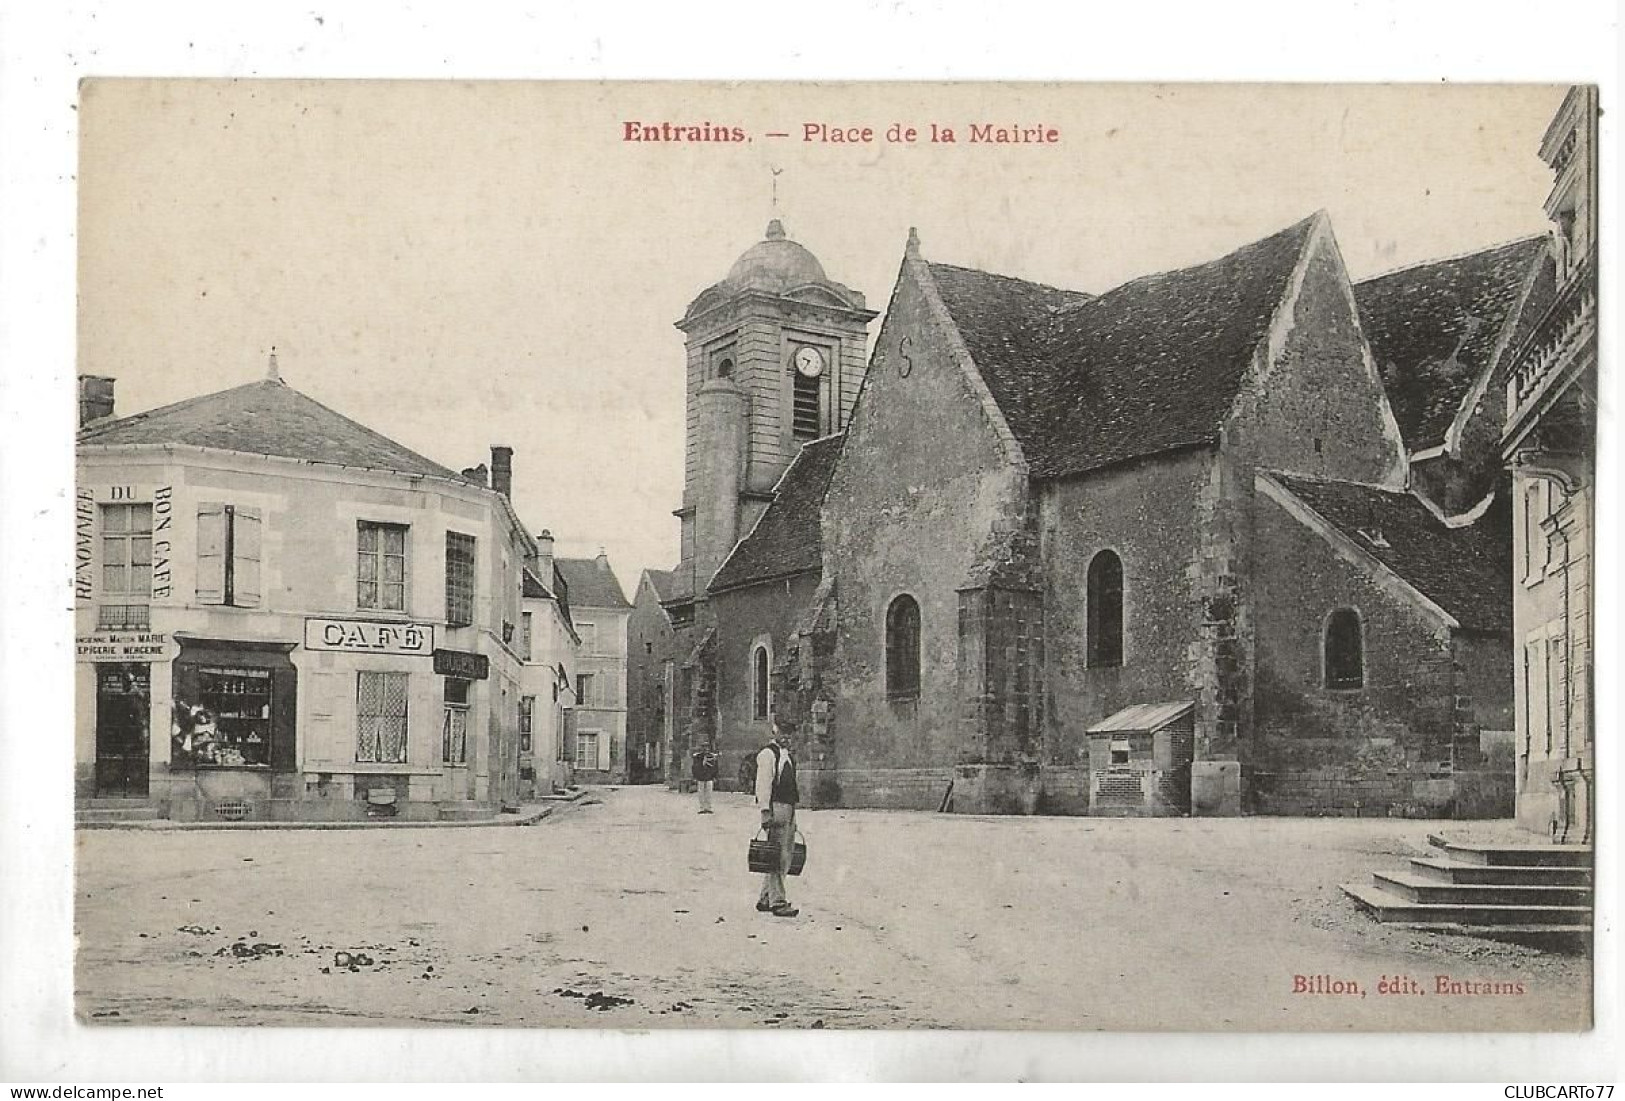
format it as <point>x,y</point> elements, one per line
<point>806,413</point>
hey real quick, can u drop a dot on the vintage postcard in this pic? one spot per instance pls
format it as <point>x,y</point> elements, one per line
<point>845,556</point>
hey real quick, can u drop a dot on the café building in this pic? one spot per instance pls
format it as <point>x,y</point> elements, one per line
<point>284,615</point>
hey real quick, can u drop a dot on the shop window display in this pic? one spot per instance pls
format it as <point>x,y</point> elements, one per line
<point>229,724</point>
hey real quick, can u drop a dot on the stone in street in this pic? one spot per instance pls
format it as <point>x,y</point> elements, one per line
<point>635,912</point>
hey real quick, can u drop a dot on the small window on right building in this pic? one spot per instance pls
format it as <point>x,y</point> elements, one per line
<point>1103,610</point>
<point>1344,656</point>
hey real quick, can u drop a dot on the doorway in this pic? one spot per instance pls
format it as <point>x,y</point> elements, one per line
<point>123,710</point>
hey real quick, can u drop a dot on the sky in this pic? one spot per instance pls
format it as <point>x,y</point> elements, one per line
<point>462,264</point>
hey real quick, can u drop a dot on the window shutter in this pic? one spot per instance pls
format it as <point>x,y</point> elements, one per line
<point>245,559</point>
<point>211,553</point>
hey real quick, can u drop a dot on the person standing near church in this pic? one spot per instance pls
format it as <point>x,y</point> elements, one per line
<point>704,770</point>
<point>778,795</point>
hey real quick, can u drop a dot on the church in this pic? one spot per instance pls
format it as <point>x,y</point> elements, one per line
<point>1221,540</point>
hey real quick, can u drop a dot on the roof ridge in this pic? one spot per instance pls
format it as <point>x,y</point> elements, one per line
<point>1304,224</point>
<point>1322,479</point>
<point>1013,278</point>
<point>1441,260</point>
<point>107,424</point>
<point>375,434</point>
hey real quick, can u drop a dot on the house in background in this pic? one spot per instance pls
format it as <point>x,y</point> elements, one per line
<point>548,644</point>
<point>282,614</point>
<point>651,660</point>
<point>599,611</point>
<point>1549,443</point>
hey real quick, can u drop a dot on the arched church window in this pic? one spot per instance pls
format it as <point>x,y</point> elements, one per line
<point>1344,650</point>
<point>725,368</point>
<point>761,685</point>
<point>1103,610</point>
<point>903,649</point>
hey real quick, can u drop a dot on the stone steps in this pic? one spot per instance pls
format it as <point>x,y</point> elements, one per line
<point>1415,888</point>
<point>99,811</point>
<point>1522,856</point>
<point>1386,906</point>
<point>1530,894</point>
<point>1448,871</point>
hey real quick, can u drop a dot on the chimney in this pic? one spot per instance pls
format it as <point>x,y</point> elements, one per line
<point>544,557</point>
<point>502,470</point>
<point>476,474</point>
<point>95,399</point>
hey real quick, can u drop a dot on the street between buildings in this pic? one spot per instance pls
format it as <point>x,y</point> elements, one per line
<point>629,910</point>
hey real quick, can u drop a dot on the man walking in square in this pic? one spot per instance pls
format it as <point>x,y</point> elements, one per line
<point>778,795</point>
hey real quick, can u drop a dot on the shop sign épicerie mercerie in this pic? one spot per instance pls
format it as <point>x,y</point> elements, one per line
<point>370,636</point>
<point>122,646</point>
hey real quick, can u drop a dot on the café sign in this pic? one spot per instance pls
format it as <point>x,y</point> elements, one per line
<point>122,646</point>
<point>370,636</point>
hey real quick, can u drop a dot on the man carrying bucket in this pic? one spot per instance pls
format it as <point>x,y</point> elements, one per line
<point>776,791</point>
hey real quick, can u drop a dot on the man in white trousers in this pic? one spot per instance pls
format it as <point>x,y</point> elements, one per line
<point>778,795</point>
<point>704,771</point>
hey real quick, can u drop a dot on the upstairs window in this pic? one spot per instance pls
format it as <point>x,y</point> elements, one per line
<point>459,579</point>
<point>1345,651</point>
<point>126,567</point>
<point>527,719</point>
<point>381,566</point>
<point>1103,627</point>
<point>903,649</point>
<point>228,555</point>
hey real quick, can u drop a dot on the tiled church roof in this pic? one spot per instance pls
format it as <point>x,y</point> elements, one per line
<point>1151,366</point>
<point>1464,570</point>
<point>1433,330</point>
<point>787,539</point>
<point>265,418</point>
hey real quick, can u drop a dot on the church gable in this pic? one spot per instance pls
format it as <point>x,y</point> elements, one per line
<point>1313,401</point>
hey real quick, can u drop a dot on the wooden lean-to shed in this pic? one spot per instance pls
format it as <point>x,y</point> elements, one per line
<point>1140,760</point>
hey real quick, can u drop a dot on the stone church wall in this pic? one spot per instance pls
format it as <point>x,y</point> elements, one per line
<point>1147,513</point>
<point>745,616</point>
<point>1389,748</point>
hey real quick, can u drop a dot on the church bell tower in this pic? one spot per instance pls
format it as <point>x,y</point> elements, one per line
<point>776,353</point>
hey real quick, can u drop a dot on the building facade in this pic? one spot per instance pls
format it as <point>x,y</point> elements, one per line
<point>284,615</point>
<point>599,611</point>
<point>651,679</point>
<point>1549,444</point>
<point>548,646</point>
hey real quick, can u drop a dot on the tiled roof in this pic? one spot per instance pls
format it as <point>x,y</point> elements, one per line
<point>787,539</point>
<point>265,418</point>
<point>533,587</point>
<point>1466,571</point>
<point>664,583</point>
<point>1151,366</point>
<point>591,583</point>
<point>1433,330</point>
